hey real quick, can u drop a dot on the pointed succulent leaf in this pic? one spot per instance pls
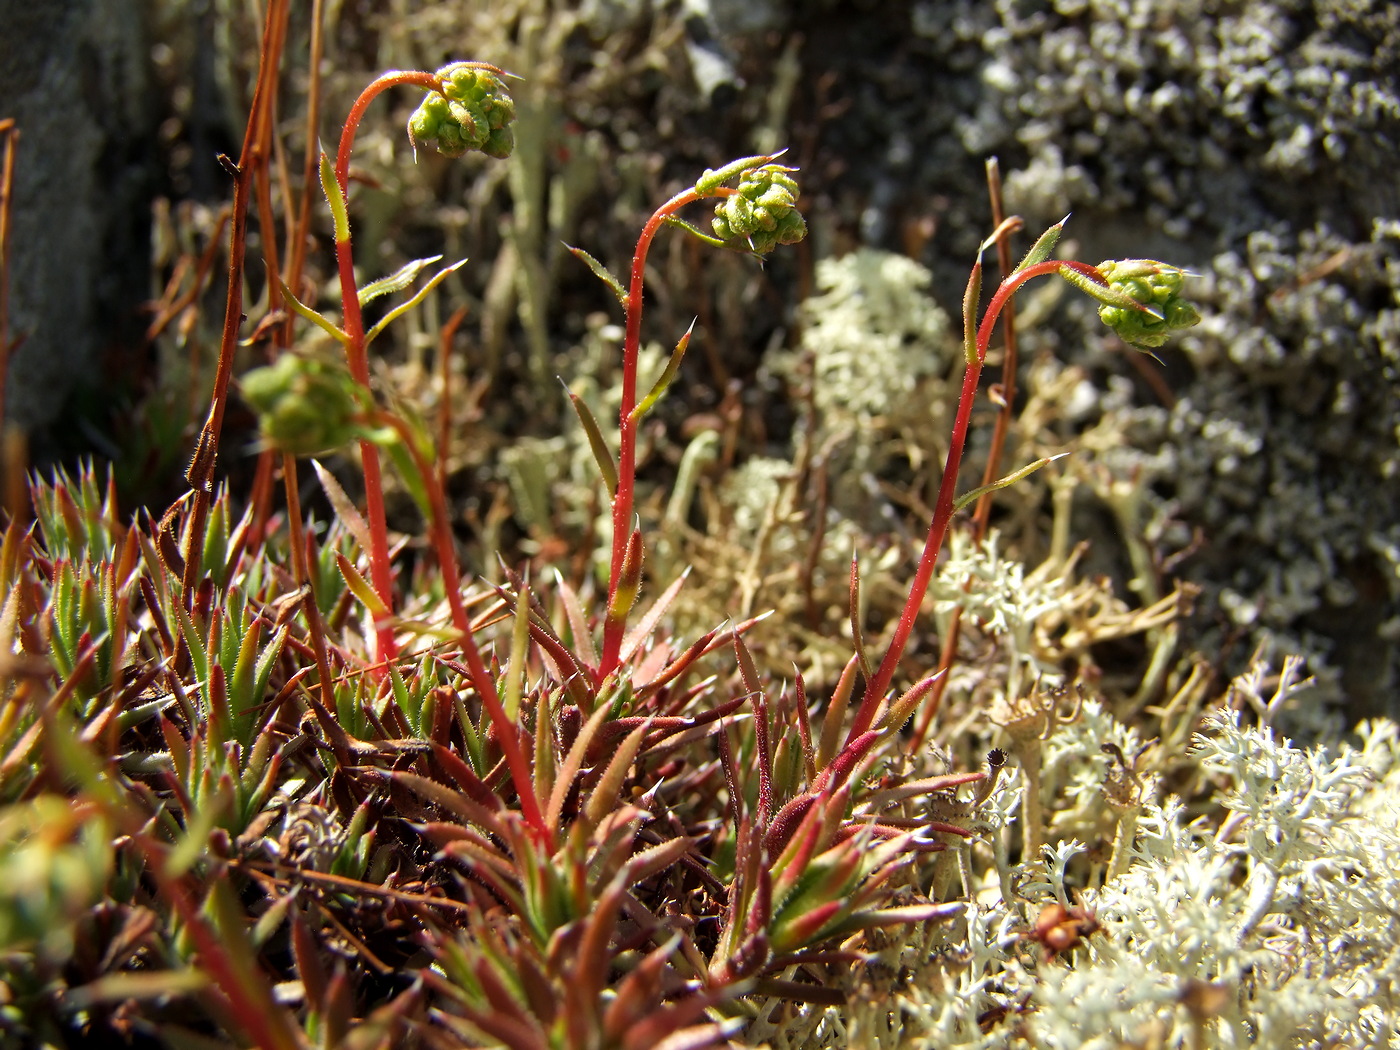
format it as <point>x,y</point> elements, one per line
<point>417,298</point>
<point>857,614</point>
<point>361,588</point>
<point>315,317</point>
<point>695,231</point>
<point>602,273</point>
<point>668,375</point>
<point>1041,249</point>
<point>344,507</point>
<point>1010,479</point>
<point>629,580</point>
<point>713,179</point>
<point>398,280</point>
<point>972,297</point>
<point>331,186</point>
<point>908,914</point>
<point>604,795</point>
<point>651,619</point>
<point>602,455</point>
<point>836,713</point>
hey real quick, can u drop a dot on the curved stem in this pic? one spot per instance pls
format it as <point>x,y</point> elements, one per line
<point>981,516</point>
<point>481,678</point>
<point>627,429</point>
<point>381,572</point>
<point>943,506</point>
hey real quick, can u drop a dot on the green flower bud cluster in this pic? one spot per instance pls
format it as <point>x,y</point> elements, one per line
<point>1157,287</point>
<point>304,406</point>
<point>473,112</point>
<point>762,213</point>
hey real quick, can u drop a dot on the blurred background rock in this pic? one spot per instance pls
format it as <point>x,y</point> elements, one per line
<point>75,76</point>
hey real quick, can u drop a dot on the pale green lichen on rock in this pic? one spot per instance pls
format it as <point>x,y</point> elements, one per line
<point>1254,144</point>
<point>1267,921</point>
<point>873,331</point>
<point>474,112</point>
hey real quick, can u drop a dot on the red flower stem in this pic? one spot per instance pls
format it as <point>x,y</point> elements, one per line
<point>943,506</point>
<point>381,572</point>
<point>481,678</point>
<point>981,516</point>
<point>627,426</point>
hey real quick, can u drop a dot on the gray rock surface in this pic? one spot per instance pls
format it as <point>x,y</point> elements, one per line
<point>73,73</point>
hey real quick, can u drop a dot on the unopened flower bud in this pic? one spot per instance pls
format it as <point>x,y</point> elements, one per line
<point>304,406</point>
<point>1158,288</point>
<point>762,213</point>
<point>473,112</point>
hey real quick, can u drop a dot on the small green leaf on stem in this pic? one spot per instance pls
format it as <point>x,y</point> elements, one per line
<point>1009,225</point>
<point>360,587</point>
<point>713,179</point>
<point>629,581</point>
<point>972,298</point>
<point>515,672</point>
<point>903,708</point>
<point>602,273</point>
<point>396,281</point>
<point>394,442</point>
<point>836,713</point>
<point>1041,249</point>
<point>417,298</point>
<point>602,455</point>
<point>856,612</point>
<point>1001,483</point>
<point>343,506</point>
<point>695,231</point>
<point>603,798</point>
<point>667,376</point>
<point>318,319</point>
<point>339,214</point>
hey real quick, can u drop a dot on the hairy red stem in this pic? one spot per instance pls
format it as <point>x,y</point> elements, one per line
<point>627,427</point>
<point>943,506</point>
<point>481,678</point>
<point>381,573</point>
<point>981,516</point>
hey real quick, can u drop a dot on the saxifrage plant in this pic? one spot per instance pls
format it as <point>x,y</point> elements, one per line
<point>556,834</point>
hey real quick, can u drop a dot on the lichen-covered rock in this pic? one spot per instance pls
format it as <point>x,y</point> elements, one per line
<point>1256,146</point>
